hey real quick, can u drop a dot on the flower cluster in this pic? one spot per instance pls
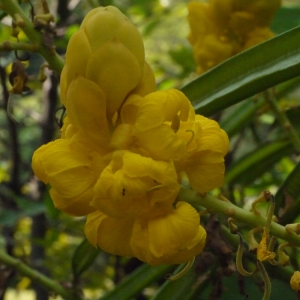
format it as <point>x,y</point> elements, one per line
<point>223,28</point>
<point>125,147</point>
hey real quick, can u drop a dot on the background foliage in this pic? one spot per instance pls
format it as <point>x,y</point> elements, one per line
<point>249,95</point>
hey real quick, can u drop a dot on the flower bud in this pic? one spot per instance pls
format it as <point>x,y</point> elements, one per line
<point>108,51</point>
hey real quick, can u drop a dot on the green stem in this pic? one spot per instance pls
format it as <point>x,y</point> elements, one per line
<point>13,9</point>
<point>10,46</point>
<point>283,120</point>
<point>218,206</point>
<point>36,276</point>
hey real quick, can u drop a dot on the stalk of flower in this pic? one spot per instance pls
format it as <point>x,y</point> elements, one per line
<point>221,29</point>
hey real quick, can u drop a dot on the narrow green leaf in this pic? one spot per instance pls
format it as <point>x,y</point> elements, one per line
<point>84,256</point>
<point>246,74</point>
<point>254,164</point>
<point>136,281</point>
<point>289,189</point>
<point>240,117</point>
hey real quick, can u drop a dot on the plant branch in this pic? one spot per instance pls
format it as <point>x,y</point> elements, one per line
<point>218,206</point>
<point>36,37</point>
<point>10,46</point>
<point>35,275</point>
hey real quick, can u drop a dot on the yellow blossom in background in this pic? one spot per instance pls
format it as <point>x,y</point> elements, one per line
<point>295,281</point>
<point>223,28</point>
<point>125,147</point>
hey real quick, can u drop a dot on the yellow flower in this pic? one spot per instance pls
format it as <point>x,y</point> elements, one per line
<point>133,185</point>
<point>262,250</point>
<point>295,281</point>
<point>164,127</point>
<point>223,28</point>
<point>111,53</point>
<point>172,238</point>
<point>124,148</point>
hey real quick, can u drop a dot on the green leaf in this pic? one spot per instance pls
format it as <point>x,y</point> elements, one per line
<point>136,281</point>
<point>240,117</point>
<point>83,257</point>
<point>285,19</point>
<point>289,189</point>
<point>254,164</point>
<point>246,74</point>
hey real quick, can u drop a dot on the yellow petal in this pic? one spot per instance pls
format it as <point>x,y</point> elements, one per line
<point>131,38</point>
<point>76,206</point>
<point>87,110</point>
<point>121,138</point>
<point>161,142</point>
<point>212,137</point>
<point>175,237</point>
<point>205,171</point>
<point>199,19</point>
<point>101,25</point>
<point>54,157</point>
<point>257,36</point>
<point>159,107</point>
<point>130,109</point>
<point>111,235</point>
<point>147,83</point>
<point>76,61</point>
<point>116,70</point>
<point>69,172</point>
<point>109,10</point>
